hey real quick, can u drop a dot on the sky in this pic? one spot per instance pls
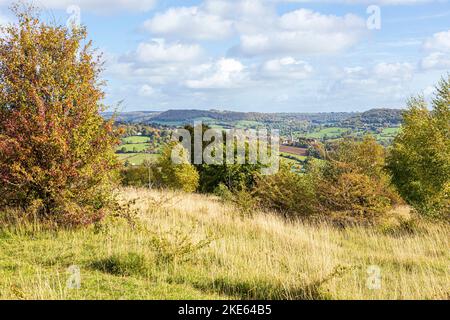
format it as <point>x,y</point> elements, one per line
<point>262,55</point>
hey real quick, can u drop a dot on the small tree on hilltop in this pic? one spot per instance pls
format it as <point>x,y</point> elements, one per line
<point>56,151</point>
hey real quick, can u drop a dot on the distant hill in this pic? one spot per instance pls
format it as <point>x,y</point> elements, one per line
<point>376,117</point>
<point>350,119</point>
<point>189,115</point>
<point>132,117</point>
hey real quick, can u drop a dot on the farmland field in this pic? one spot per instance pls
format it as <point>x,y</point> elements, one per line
<point>293,150</point>
<point>333,132</point>
<point>133,150</point>
<point>137,158</point>
<point>135,139</point>
<point>135,147</point>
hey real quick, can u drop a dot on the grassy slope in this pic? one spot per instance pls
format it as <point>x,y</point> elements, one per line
<point>245,257</point>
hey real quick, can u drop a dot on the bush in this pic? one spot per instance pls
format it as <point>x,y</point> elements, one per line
<point>287,192</point>
<point>355,195</point>
<point>137,176</point>
<point>55,148</point>
<point>353,182</point>
<point>350,186</point>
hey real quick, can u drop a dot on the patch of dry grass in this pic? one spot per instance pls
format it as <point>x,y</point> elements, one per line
<point>190,246</point>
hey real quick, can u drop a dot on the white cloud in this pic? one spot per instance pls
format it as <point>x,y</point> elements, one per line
<point>299,42</point>
<point>98,6</point>
<point>222,74</point>
<point>439,41</point>
<point>159,51</point>
<point>146,91</point>
<point>260,28</point>
<point>382,72</point>
<point>304,32</point>
<point>304,19</point>
<point>191,23</point>
<point>436,60</point>
<point>438,47</point>
<point>286,67</point>
<point>394,71</point>
<point>382,81</point>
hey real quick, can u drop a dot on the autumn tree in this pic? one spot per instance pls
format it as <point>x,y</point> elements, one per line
<point>56,151</point>
<point>420,157</point>
<point>353,182</point>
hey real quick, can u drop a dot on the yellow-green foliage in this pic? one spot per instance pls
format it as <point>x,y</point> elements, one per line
<point>353,182</point>
<point>190,246</point>
<point>351,185</point>
<point>181,176</point>
<point>420,158</point>
<point>138,176</point>
<point>288,192</point>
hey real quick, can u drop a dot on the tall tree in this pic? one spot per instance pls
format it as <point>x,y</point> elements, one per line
<point>420,158</point>
<point>55,148</point>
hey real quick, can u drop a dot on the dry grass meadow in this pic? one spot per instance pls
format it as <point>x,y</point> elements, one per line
<point>189,246</point>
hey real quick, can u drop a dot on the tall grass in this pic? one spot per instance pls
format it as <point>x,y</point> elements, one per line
<point>189,246</point>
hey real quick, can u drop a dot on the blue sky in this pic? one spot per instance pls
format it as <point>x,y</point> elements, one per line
<point>263,55</point>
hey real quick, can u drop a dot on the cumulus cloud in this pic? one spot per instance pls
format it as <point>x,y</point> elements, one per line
<point>286,67</point>
<point>192,23</point>
<point>436,60</point>
<point>260,28</point>
<point>304,19</point>
<point>304,31</point>
<point>224,73</point>
<point>438,47</point>
<point>439,41</point>
<point>400,71</point>
<point>146,91</point>
<point>382,79</point>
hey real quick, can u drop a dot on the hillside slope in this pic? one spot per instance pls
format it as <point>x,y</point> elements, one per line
<point>194,247</point>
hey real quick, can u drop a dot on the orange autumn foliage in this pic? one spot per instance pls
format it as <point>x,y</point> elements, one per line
<point>56,151</point>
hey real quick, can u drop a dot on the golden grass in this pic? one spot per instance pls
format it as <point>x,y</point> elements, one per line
<point>193,246</point>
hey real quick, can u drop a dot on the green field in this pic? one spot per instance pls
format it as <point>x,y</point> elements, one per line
<point>293,156</point>
<point>246,124</point>
<point>135,147</point>
<point>388,134</point>
<point>334,132</point>
<point>137,158</point>
<point>135,139</point>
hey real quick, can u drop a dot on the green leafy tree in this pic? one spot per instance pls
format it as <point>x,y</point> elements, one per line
<point>419,160</point>
<point>56,151</point>
<point>181,176</point>
<point>233,176</point>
